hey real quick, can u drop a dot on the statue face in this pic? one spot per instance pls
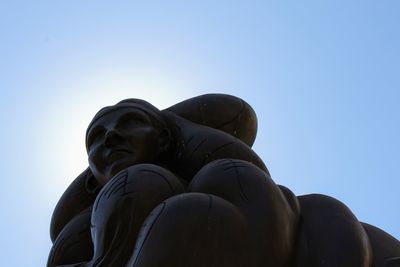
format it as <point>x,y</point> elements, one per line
<point>122,138</point>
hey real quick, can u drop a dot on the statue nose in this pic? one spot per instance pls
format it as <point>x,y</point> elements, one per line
<point>112,137</point>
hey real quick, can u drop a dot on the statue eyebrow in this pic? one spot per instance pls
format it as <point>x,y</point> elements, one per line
<point>96,129</point>
<point>135,114</point>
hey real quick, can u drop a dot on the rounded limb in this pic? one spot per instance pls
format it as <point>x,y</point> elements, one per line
<point>271,219</point>
<point>385,248</point>
<point>78,197</point>
<point>392,262</point>
<point>73,243</point>
<point>223,112</point>
<point>331,235</point>
<point>121,208</point>
<point>193,229</point>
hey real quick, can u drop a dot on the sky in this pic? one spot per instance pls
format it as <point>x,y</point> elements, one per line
<point>322,76</point>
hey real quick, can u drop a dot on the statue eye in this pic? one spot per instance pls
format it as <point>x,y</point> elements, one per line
<point>95,136</point>
<point>131,122</point>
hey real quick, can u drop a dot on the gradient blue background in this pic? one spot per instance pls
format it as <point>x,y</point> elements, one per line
<point>323,77</point>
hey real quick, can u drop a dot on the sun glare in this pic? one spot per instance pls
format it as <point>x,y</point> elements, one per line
<point>67,116</point>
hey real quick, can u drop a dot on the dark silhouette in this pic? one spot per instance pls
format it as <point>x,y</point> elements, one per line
<point>182,187</point>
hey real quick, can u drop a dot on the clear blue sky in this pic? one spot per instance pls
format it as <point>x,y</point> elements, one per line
<point>323,77</point>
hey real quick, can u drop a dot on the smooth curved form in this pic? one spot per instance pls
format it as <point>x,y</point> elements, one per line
<point>182,187</point>
<point>331,235</point>
<point>386,249</point>
<point>271,220</point>
<point>193,229</point>
<point>223,112</point>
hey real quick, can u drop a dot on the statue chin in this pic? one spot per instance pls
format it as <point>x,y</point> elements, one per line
<point>119,165</point>
<point>115,167</point>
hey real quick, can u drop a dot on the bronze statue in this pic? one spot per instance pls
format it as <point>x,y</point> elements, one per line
<point>182,187</point>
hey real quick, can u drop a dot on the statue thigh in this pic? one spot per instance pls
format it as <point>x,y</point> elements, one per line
<point>270,219</point>
<point>121,208</point>
<point>193,229</point>
<point>233,215</point>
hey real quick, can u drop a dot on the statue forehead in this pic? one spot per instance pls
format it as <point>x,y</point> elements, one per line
<point>115,114</point>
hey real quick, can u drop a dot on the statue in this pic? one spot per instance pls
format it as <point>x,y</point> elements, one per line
<point>182,187</point>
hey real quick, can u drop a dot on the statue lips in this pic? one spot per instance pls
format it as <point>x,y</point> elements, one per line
<point>117,154</point>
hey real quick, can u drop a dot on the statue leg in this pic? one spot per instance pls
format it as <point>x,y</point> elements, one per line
<point>121,208</point>
<point>330,235</point>
<point>271,216</point>
<point>196,230</point>
<point>385,248</point>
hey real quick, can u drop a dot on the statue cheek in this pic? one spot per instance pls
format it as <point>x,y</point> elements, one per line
<point>141,137</point>
<point>96,159</point>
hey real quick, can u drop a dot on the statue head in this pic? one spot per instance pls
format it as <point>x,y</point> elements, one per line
<point>131,132</point>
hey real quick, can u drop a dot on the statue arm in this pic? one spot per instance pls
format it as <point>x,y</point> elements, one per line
<point>74,243</point>
<point>78,197</point>
<point>198,145</point>
<point>226,113</point>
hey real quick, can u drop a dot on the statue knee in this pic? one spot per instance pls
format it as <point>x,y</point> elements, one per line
<point>235,180</point>
<point>141,185</point>
<point>140,180</point>
<point>122,206</point>
<point>259,199</point>
<point>216,229</point>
